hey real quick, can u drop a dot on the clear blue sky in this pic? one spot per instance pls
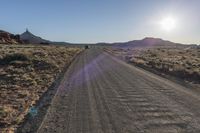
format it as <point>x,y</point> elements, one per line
<point>102,20</point>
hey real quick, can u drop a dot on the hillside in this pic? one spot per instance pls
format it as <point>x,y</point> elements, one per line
<point>8,38</point>
<point>148,42</point>
<point>28,37</point>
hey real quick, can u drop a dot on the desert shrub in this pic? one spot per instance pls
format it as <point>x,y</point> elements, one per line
<point>193,55</point>
<point>19,64</point>
<point>170,54</point>
<point>3,112</point>
<point>13,57</point>
<point>153,55</point>
<point>43,65</point>
<point>196,75</point>
<point>162,50</point>
<point>151,63</point>
<point>128,58</point>
<point>40,53</point>
<point>179,73</point>
<point>183,58</point>
<point>188,63</point>
<point>189,67</point>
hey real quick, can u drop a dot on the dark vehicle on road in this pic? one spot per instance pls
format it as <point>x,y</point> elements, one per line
<point>86,47</point>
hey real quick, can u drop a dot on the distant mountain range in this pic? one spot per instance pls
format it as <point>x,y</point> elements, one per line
<point>28,38</point>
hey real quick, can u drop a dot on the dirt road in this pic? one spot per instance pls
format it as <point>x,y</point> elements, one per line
<point>101,94</point>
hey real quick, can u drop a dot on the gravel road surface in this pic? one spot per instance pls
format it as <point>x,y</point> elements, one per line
<point>101,94</point>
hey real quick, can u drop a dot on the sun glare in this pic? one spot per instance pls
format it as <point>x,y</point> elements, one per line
<point>168,23</point>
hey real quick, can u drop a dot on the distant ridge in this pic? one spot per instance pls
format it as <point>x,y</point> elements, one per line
<point>148,42</point>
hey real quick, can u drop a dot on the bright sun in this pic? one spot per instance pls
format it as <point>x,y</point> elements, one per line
<point>168,23</point>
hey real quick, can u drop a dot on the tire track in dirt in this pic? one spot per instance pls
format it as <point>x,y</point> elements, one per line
<point>103,95</point>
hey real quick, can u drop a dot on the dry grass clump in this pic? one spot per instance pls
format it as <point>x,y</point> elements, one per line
<point>26,72</point>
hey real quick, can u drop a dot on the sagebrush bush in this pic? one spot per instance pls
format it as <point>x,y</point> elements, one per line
<point>2,112</point>
<point>13,57</point>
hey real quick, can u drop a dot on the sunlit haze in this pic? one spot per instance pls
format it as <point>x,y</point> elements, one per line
<point>168,23</point>
<point>88,21</point>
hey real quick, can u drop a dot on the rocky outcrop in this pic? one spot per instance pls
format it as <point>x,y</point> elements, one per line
<point>30,38</point>
<point>8,38</point>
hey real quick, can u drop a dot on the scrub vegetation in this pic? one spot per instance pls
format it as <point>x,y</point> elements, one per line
<point>26,73</point>
<point>182,62</point>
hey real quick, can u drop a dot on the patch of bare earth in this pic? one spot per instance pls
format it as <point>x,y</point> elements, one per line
<point>26,72</point>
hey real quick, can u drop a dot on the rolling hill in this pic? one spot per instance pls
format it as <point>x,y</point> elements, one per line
<point>148,42</point>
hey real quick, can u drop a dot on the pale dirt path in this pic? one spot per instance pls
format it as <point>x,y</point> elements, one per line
<point>101,94</point>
